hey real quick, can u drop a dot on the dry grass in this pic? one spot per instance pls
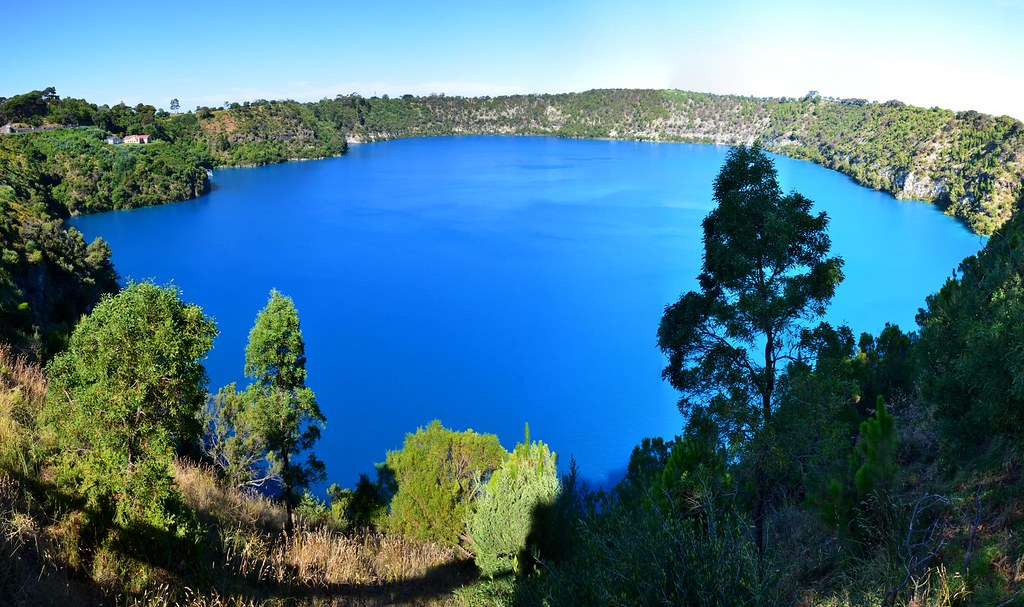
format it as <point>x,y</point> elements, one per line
<point>43,552</point>
<point>165,595</point>
<point>326,564</point>
<point>324,558</point>
<point>202,491</point>
<point>937,588</point>
<point>33,565</point>
<point>22,392</point>
<point>20,375</point>
<point>321,558</point>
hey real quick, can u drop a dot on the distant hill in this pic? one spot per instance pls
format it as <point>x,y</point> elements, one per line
<point>971,165</point>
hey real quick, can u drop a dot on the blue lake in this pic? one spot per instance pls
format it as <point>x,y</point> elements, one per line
<point>493,281</point>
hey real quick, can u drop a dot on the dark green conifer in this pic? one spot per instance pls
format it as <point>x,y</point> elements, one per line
<point>877,452</point>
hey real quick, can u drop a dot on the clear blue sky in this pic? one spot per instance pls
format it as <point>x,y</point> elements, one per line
<point>957,55</point>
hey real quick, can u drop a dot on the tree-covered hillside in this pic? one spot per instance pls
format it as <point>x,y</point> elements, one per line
<point>267,132</point>
<point>75,171</point>
<point>48,275</point>
<point>62,149</point>
<point>970,164</point>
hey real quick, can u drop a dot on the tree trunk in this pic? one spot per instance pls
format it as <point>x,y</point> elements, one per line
<point>289,525</point>
<point>760,501</point>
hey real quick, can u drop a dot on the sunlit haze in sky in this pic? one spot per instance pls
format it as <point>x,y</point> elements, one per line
<point>956,55</point>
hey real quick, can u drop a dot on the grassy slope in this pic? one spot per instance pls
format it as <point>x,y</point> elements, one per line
<point>54,553</point>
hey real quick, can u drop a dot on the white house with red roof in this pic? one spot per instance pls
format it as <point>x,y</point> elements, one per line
<point>136,138</point>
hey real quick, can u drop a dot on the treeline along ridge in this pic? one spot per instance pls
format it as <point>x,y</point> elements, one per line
<point>970,164</point>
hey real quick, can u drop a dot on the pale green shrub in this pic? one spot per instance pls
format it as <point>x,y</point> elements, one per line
<point>509,513</point>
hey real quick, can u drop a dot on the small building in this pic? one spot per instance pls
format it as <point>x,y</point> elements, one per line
<point>7,129</point>
<point>136,138</point>
<point>114,140</point>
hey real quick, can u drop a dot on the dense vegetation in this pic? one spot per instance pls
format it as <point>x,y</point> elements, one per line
<point>49,276</point>
<point>75,171</point>
<point>72,169</point>
<point>970,164</point>
<point>264,132</point>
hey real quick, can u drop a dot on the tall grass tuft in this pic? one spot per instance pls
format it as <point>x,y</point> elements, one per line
<point>202,491</point>
<point>251,545</point>
<point>322,558</point>
<point>22,392</point>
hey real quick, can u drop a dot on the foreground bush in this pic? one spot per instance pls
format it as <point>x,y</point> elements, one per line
<point>511,507</point>
<point>124,396</point>
<point>438,473</point>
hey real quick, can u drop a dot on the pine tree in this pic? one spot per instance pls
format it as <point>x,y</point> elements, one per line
<point>876,451</point>
<point>507,514</point>
<point>766,271</point>
<point>282,411</point>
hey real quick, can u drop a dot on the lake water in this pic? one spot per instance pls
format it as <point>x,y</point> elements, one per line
<point>493,281</point>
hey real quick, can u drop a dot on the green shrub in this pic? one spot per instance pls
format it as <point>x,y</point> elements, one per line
<point>693,479</point>
<point>646,463</point>
<point>124,396</point>
<point>648,556</point>
<point>972,365</point>
<point>438,473</point>
<point>362,508</point>
<point>508,512</point>
<point>312,510</point>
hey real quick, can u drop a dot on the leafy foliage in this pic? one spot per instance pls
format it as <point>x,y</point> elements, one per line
<point>75,171</point>
<point>439,473</point>
<point>235,449</point>
<point>646,462</point>
<point>884,366</point>
<point>765,268</point>
<point>125,395</point>
<point>48,278</point>
<point>694,479</point>
<point>816,424</point>
<point>282,410</point>
<point>29,107</point>
<point>275,356</point>
<point>361,509</point>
